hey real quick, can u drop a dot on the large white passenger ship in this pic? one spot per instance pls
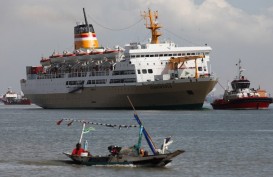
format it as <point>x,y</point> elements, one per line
<point>154,75</point>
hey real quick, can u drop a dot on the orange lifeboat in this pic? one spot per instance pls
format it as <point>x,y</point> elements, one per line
<point>45,62</point>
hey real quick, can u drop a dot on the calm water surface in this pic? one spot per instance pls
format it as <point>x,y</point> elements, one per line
<point>217,143</point>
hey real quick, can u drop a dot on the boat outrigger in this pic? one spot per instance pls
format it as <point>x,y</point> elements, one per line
<point>135,155</point>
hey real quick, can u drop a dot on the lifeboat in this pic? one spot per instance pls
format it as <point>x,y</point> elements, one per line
<point>45,62</point>
<point>56,58</point>
<point>111,53</point>
<point>96,54</point>
<point>70,57</point>
<point>82,56</point>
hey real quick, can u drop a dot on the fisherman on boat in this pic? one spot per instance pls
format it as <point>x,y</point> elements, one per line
<point>79,150</point>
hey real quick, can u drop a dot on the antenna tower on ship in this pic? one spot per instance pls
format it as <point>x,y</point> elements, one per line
<point>153,26</point>
<point>85,36</point>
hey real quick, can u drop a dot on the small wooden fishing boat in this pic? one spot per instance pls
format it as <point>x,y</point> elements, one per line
<point>134,155</point>
<point>157,160</point>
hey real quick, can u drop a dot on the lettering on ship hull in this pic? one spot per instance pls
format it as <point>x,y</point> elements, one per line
<point>161,86</point>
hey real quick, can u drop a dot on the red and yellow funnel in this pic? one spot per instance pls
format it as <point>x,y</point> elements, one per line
<point>85,36</point>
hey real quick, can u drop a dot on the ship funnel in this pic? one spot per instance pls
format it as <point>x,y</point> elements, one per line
<point>85,36</point>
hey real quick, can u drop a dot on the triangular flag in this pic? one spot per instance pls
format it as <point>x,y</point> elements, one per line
<point>86,130</point>
<point>70,123</point>
<point>59,122</point>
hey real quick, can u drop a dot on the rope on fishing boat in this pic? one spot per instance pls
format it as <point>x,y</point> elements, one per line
<point>71,121</point>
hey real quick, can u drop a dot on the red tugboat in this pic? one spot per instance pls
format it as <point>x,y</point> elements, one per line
<point>242,97</point>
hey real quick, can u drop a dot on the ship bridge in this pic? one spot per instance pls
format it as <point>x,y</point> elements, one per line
<point>240,84</point>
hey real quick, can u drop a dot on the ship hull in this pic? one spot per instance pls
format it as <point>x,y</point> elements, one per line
<point>243,103</point>
<point>159,160</point>
<point>22,102</point>
<point>172,94</point>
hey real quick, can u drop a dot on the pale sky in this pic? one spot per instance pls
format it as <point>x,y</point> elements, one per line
<point>235,29</point>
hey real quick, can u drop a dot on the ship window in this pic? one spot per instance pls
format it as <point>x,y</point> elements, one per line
<point>179,54</point>
<point>150,71</point>
<point>101,81</point>
<point>190,92</point>
<point>138,71</point>
<point>183,54</point>
<point>144,71</point>
<point>91,82</point>
<point>133,56</point>
<point>192,53</point>
<point>129,80</point>
<point>165,55</point>
<point>125,72</point>
<point>80,82</point>
<point>161,55</point>
<point>146,55</point>
<point>170,55</point>
<point>137,56</point>
<point>116,81</point>
<point>156,55</point>
<point>188,53</point>
<point>199,68</point>
<point>142,56</point>
<point>206,53</point>
<point>151,55</point>
<point>175,54</point>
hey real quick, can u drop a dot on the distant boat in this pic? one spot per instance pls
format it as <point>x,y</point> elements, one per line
<point>12,98</point>
<point>243,97</point>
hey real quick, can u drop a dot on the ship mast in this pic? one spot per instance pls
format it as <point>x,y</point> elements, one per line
<point>85,19</point>
<point>240,70</point>
<point>153,26</point>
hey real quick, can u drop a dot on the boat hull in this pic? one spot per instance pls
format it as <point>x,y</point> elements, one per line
<point>146,161</point>
<point>243,103</point>
<point>17,102</point>
<point>172,94</point>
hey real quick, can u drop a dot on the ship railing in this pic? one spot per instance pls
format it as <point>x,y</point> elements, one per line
<point>99,73</point>
<point>45,76</point>
<point>77,74</point>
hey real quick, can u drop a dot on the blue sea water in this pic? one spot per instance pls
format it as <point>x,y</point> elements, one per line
<point>218,143</point>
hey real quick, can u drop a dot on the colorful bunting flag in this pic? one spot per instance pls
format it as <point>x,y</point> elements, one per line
<point>59,122</point>
<point>70,123</point>
<point>94,123</point>
<point>87,130</point>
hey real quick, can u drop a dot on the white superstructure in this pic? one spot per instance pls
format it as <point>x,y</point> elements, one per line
<point>155,75</point>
